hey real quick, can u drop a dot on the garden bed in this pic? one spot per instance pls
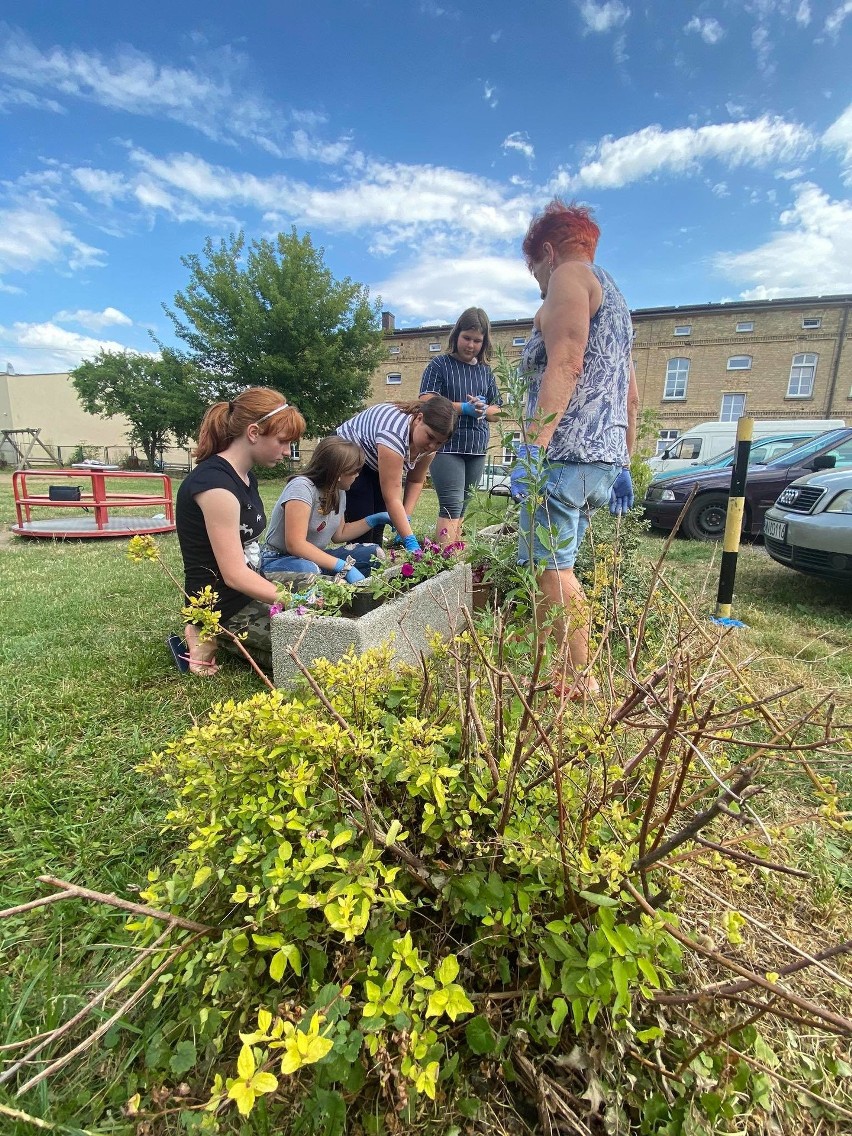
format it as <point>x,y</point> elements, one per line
<point>409,621</point>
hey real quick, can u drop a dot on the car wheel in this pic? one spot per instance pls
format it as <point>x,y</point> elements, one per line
<point>706,517</point>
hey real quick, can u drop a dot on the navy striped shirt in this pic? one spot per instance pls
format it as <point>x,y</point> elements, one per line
<point>381,425</point>
<point>457,381</point>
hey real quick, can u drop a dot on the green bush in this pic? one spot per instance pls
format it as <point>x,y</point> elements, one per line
<point>370,894</point>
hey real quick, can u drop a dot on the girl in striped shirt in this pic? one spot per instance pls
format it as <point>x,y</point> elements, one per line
<point>464,377</point>
<point>399,440</point>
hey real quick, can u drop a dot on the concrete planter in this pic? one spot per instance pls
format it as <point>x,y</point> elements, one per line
<point>409,621</point>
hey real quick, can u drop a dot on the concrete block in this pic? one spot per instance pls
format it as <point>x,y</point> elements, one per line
<point>408,621</point>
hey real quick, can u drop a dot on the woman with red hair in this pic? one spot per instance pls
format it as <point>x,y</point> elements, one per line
<point>220,515</point>
<point>582,403</point>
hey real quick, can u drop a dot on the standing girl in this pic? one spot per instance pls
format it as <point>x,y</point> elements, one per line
<point>398,440</point>
<point>464,377</point>
<point>309,515</point>
<point>219,513</point>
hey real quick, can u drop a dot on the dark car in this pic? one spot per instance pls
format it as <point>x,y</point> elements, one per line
<point>705,519</point>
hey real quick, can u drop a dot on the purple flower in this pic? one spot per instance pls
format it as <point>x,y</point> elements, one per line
<point>276,608</point>
<point>407,570</point>
<point>301,610</point>
<point>418,555</point>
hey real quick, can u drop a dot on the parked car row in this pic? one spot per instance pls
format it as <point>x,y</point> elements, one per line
<point>705,518</point>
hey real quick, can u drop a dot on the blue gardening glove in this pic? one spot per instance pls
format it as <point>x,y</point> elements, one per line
<point>519,478</point>
<point>378,519</point>
<point>353,576</point>
<point>469,409</point>
<point>621,494</point>
<point>411,543</point>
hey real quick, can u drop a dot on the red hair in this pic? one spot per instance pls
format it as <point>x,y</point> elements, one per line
<point>568,228</point>
<point>266,408</point>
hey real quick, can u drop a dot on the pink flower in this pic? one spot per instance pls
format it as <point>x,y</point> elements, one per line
<point>301,610</point>
<point>276,608</point>
<point>407,570</point>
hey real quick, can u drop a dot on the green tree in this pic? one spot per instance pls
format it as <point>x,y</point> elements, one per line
<point>273,315</point>
<point>162,399</point>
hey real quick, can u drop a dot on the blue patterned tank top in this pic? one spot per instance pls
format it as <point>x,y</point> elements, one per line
<point>594,425</point>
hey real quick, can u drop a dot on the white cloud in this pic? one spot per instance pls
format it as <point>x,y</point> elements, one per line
<point>212,95</point>
<point>17,97</point>
<point>616,162</point>
<point>834,22</point>
<point>33,236</point>
<point>95,321</point>
<point>803,14</point>
<point>710,30</point>
<point>720,189</point>
<point>810,254</point>
<point>489,93</point>
<point>43,348</point>
<point>101,184</point>
<point>398,202</point>
<point>602,17</point>
<point>441,287</point>
<point>839,137</point>
<point>519,140</point>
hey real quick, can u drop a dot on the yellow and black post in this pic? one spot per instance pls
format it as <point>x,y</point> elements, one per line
<point>734,519</point>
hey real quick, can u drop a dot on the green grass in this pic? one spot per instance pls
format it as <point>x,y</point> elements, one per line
<point>88,690</point>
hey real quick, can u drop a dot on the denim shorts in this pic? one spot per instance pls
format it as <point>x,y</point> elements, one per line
<point>562,505</point>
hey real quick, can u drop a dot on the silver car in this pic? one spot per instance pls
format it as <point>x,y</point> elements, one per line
<point>809,527</point>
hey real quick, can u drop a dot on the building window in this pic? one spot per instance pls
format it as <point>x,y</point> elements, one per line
<point>434,347</point>
<point>802,374</point>
<point>683,329</point>
<point>294,452</point>
<point>733,407</point>
<point>739,363</point>
<point>393,351</point>
<point>811,323</point>
<point>746,325</point>
<point>519,341</point>
<point>509,452</point>
<point>677,373</point>
<point>665,440</point>
<point>394,378</point>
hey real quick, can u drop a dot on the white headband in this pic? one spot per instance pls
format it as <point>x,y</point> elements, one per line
<point>283,406</point>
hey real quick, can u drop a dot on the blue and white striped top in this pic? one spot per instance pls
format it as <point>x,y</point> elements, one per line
<point>381,425</point>
<point>457,381</point>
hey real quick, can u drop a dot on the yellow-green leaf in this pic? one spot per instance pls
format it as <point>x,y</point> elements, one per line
<point>264,1083</point>
<point>201,876</point>
<point>245,1063</point>
<point>448,970</point>
<point>243,1094</point>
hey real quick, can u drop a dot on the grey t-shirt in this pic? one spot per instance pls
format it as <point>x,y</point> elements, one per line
<point>321,526</point>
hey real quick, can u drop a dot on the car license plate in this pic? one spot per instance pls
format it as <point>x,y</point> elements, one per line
<point>776,529</point>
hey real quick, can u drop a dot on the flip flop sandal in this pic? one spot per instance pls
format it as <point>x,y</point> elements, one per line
<point>178,648</point>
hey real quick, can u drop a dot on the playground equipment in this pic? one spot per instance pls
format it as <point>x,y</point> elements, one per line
<point>76,514</point>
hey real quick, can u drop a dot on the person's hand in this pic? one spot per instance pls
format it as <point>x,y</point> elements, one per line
<point>375,519</point>
<point>621,494</point>
<point>521,478</point>
<point>353,576</point>
<point>475,408</point>
<point>411,543</point>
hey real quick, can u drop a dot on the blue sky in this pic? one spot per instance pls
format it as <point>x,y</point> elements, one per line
<point>414,139</point>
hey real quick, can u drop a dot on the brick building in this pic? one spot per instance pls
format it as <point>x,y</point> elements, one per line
<point>783,359</point>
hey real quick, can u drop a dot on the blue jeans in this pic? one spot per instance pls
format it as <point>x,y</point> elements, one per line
<point>562,505</point>
<point>364,555</point>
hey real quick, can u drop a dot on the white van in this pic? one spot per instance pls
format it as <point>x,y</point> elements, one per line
<point>702,443</point>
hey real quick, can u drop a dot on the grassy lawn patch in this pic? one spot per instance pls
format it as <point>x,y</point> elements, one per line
<point>88,691</point>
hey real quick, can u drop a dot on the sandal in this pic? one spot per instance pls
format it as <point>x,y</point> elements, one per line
<point>184,663</point>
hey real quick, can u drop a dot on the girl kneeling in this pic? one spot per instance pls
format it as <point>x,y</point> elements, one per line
<point>307,531</point>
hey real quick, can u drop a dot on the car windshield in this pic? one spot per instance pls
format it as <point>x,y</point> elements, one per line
<point>764,451</point>
<point>801,453</point>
